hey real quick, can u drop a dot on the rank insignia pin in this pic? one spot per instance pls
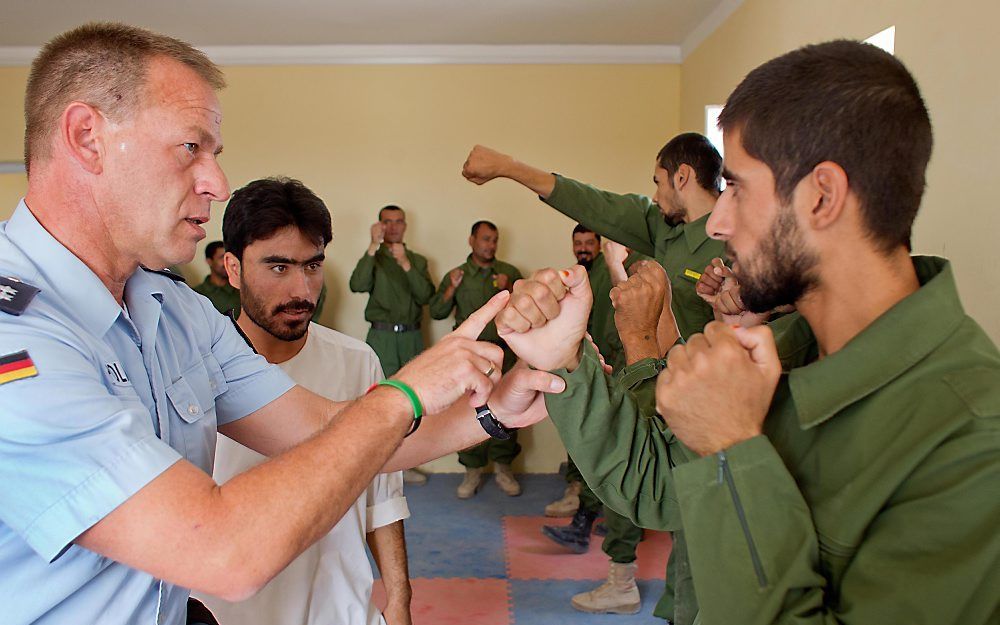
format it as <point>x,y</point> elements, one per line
<point>15,295</point>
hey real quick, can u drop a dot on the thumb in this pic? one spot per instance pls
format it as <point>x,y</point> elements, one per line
<point>576,280</point>
<point>759,341</point>
<point>474,325</point>
<point>525,380</point>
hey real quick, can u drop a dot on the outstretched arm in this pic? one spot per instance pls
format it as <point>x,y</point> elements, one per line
<point>485,164</point>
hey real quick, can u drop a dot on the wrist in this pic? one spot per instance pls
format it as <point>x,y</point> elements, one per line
<point>571,363</point>
<point>372,248</point>
<point>724,442</point>
<point>404,401</point>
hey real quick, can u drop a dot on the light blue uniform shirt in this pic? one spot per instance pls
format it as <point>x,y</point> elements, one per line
<point>117,400</point>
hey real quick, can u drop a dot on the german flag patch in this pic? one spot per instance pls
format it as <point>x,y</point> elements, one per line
<point>16,366</point>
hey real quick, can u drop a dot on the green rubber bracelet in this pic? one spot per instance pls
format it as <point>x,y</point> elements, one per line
<point>418,408</point>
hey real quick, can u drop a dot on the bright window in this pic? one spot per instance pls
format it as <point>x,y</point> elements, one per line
<point>885,40</point>
<point>712,131</point>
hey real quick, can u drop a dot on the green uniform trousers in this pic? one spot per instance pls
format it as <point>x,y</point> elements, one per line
<point>395,349</point>
<point>490,450</point>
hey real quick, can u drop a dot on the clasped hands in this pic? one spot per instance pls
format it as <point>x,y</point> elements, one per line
<point>716,388</point>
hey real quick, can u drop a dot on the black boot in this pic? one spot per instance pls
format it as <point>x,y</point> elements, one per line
<point>576,535</point>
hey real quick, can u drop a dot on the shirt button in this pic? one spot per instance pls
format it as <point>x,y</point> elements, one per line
<point>213,384</point>
<point>192,409</point>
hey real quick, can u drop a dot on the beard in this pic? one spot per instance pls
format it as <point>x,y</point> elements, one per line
<point>256,309</point>
<point>674,215</point>
<point>585,259</point>
<point>782,271</point>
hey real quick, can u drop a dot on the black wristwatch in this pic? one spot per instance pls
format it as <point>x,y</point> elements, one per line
<point>490,423</point>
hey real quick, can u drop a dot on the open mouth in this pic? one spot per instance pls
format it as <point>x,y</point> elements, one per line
<point>197,221</point>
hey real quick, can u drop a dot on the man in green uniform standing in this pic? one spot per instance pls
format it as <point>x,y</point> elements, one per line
<point>465,289</point>
<point>216,287</point>
<point>669,227</point>
<point>840,465</point>
<point>399,284</point>
<point>579,501</point>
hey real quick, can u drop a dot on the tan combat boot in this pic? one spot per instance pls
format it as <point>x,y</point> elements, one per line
<point>568,505</point>
<point>471,483</point>
<point>618,595</point>
<point>505,479</point>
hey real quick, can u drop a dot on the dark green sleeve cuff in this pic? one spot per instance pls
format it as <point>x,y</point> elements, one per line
<point>640,371</point>
<point>743,457</point>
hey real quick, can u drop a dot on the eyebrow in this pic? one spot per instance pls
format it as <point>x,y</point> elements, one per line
<point>727,174</point>
<point>204,138</point>
<point>284,260</point>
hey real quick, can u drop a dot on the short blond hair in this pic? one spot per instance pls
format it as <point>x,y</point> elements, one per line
<point>104,64</point>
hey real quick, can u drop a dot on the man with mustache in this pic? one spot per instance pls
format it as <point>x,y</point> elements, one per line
<point>276,231</point>
<point>398,284</point>
<point>115,378</point>
<point>464,289</point>
<point>842,468</point>
<point>669,227</point>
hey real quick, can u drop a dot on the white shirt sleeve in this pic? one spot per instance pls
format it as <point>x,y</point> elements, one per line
<point>386,503</point>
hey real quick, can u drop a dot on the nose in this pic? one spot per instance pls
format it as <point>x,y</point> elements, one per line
<point>212,182</point>
<point>719,224</point>
<point>300,286</point>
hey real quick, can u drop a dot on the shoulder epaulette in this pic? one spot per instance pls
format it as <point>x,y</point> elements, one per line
<point>176,277</point>
<point>15,295</point>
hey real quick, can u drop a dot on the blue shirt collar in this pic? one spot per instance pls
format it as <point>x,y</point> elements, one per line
<point>66,276</point>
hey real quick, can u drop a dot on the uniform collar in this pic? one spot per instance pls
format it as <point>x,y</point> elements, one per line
<point>475,267</point>
<point>67,276</point>
<point>208,284</point>
<point>695,233</point>
<point>883,351</point>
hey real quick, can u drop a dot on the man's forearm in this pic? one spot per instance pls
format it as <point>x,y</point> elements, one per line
<point>438,435</point>
<point>539,181</point>
<point>254,525</point>
<point>388,546</point>
<point>639,344</point>
<point>621,453</point>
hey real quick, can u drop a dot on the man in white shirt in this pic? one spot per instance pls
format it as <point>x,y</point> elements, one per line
<point>276,231</point>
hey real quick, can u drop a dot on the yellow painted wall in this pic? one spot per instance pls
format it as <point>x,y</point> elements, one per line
<point>12,186</point>
<point>365,136</point>
<point>952,50</point>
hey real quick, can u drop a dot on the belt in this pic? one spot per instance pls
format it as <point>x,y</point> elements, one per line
<point>395,327</point>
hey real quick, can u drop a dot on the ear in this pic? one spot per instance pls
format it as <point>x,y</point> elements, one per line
<point>81,128</point>
<point>232,269</point>
<point>471,239</point>
<point>828,190</point>
<point>683,176</point>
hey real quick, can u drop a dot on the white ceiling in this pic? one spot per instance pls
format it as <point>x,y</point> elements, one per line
<point>680,24</point>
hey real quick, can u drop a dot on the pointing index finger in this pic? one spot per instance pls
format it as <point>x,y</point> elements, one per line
<point>474,325</point>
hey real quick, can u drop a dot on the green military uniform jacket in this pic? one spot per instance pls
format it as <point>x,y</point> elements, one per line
<point>635,222</point>
<point>871,496</point>
<point>477,287</point>
<point>224,298</point>
<point>397,296</point>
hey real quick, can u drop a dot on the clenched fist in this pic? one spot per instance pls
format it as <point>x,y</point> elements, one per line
<point>546,318</point>
<point>485,164</point>
<point>717,388</point>
<point>398,251</point>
